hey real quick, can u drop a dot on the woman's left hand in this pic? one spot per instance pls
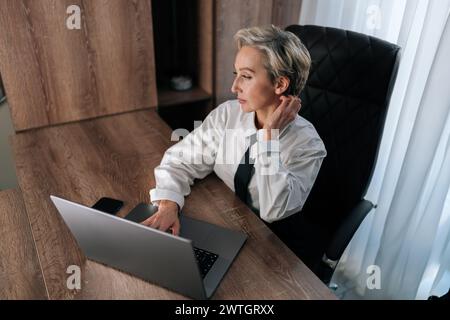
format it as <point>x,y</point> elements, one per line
<point>283,115</point>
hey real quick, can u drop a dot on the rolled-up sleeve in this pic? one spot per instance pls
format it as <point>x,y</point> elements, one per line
<point>191,158</point>
<point>283,186</point>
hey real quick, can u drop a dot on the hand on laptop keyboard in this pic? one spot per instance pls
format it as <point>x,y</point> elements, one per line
<point>166,218</point>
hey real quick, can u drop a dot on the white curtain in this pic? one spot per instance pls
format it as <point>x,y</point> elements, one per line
<point>408,235</point>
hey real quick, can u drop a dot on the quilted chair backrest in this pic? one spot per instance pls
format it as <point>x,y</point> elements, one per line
<point>346,98</point>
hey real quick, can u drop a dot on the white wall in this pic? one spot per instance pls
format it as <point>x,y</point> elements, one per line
<point>8,178</point>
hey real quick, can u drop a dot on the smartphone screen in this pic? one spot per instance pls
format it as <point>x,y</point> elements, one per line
<point>108,205</point>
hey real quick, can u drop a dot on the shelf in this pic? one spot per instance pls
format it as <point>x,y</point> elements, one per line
<point>167,97</point>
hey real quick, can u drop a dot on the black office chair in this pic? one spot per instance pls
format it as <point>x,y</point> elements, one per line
<point>346,98</point>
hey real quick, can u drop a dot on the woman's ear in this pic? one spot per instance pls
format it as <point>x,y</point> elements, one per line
<point>281,85</point>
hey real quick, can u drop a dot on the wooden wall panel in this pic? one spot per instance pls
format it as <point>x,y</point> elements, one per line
<point>53,75</point>
<point>205,40</point>
<point>232,15</point>
<point>286,12</point>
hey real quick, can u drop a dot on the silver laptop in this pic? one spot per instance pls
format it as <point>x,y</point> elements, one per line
<point>192,264</point>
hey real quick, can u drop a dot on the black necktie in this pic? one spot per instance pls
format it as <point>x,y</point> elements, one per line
<point>243,176</point>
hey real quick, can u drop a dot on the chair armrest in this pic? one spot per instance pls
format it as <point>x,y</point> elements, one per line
<point>341,239</point>
<point>347,229</point>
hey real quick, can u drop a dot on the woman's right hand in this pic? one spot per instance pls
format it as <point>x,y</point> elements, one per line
<point>284,114</point>
<point>165,218</point>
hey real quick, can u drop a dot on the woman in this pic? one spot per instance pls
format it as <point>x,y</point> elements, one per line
<point>271,68</point>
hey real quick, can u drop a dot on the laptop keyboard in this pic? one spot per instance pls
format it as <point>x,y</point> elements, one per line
<point>205,260</point>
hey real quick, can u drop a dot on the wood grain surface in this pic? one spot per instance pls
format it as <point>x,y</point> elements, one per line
<point>286,12</point>
<point>20,272</point>
<point>232,15</point>
<point>115,156</point>
<point>54,75</point>
<point>205,40</point>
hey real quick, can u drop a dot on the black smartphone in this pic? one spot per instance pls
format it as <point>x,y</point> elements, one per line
<point>108,205</point>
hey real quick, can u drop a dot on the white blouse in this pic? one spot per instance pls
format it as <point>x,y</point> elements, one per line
<point>285,168</point>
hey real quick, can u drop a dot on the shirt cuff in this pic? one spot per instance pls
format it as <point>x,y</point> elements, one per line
<point>267,155</point>
<point>162,194</point>
<point>267,147</point>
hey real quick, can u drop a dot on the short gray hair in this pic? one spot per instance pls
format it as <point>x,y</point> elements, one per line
<point>285,54</point>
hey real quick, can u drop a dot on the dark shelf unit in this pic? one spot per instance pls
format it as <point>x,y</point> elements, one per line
<point>181,48</point>
<point>168,97</point>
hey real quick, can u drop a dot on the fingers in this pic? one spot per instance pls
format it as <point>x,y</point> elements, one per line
<point>282,107</point>
<point>290,111</point>
<point>286,112</point>
<point>289,101</point>
<point>294,106</point>
<point>154,221</point>
<point>176,228</point>
<point>284,102</point>
<point>148,222</point>
<point>297,104</point>
<point>163,222</point>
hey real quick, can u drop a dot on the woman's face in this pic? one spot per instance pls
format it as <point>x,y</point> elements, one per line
<point>252,84</point>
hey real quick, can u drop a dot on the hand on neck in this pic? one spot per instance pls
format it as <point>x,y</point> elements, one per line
<point>262,115</point>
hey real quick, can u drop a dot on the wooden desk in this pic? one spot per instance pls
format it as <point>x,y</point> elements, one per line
<point>20,272</point>
<point>115,156</point>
